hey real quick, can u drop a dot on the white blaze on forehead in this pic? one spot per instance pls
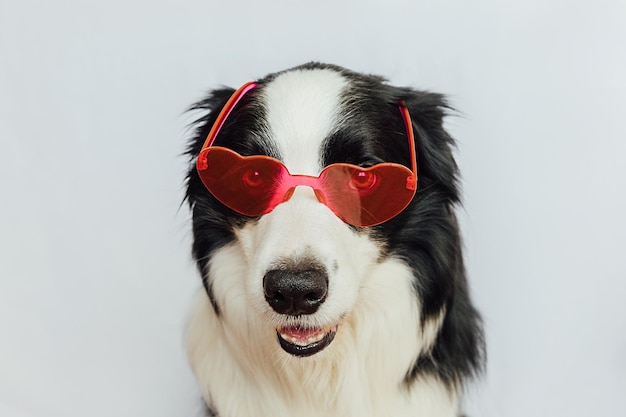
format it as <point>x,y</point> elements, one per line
<point>302,107</point>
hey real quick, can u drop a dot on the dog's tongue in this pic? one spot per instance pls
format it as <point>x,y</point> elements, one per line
<point>300,333</point>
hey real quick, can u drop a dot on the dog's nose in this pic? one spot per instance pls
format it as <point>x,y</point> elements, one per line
<point>295,292</point>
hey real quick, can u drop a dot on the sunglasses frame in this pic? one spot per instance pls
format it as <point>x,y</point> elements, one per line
<point>201,163</point>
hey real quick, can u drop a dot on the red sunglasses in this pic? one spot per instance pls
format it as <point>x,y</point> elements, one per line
<point>255,185</point>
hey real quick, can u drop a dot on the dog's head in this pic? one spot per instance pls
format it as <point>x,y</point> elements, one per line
<point>289,274</point>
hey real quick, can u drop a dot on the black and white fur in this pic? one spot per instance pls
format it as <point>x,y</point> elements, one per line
<point>407,334</point>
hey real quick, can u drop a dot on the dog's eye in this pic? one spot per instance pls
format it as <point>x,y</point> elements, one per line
<point>253,178</point>
<point>363,180</point>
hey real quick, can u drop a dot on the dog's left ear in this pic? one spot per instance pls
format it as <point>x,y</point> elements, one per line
<point>434,145</point>
<point>459,348</point>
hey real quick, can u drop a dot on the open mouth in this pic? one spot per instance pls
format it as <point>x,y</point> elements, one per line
<point>305,341</point>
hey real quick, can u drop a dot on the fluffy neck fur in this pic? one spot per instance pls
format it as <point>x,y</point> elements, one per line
<point>355,376</point>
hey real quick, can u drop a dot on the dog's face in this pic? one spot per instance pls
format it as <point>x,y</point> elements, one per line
<point>292,281</point>
<point>302,265</point>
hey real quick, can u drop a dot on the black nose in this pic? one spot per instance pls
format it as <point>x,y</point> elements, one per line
<point>295,292</point>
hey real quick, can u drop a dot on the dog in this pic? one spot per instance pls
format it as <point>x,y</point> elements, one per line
<point>324,231</point>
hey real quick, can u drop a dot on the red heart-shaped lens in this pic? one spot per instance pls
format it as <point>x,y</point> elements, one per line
<point>248,185</point>
<point>366,196</point>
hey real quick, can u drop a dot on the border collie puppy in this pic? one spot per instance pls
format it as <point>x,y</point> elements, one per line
<point>324,231</point>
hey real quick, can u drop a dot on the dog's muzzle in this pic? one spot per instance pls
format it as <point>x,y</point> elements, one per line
<point>294,293</point>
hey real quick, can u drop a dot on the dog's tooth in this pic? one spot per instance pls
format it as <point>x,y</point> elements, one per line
<point>288,338</point>
<point>315,338</point>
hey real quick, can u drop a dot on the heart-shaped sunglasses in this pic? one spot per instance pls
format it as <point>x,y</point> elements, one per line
<point>255,185</point>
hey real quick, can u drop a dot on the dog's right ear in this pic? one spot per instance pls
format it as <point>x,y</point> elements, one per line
<point>210,228</point>
<point>211,107</point>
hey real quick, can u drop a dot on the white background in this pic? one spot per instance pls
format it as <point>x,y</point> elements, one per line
<point>95,271</point>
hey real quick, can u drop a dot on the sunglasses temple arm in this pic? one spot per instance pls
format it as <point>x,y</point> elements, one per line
<point>411,182</point>
<point>226,110</point>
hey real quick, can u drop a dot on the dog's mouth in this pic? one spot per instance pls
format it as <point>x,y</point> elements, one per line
<point>305,341</point>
